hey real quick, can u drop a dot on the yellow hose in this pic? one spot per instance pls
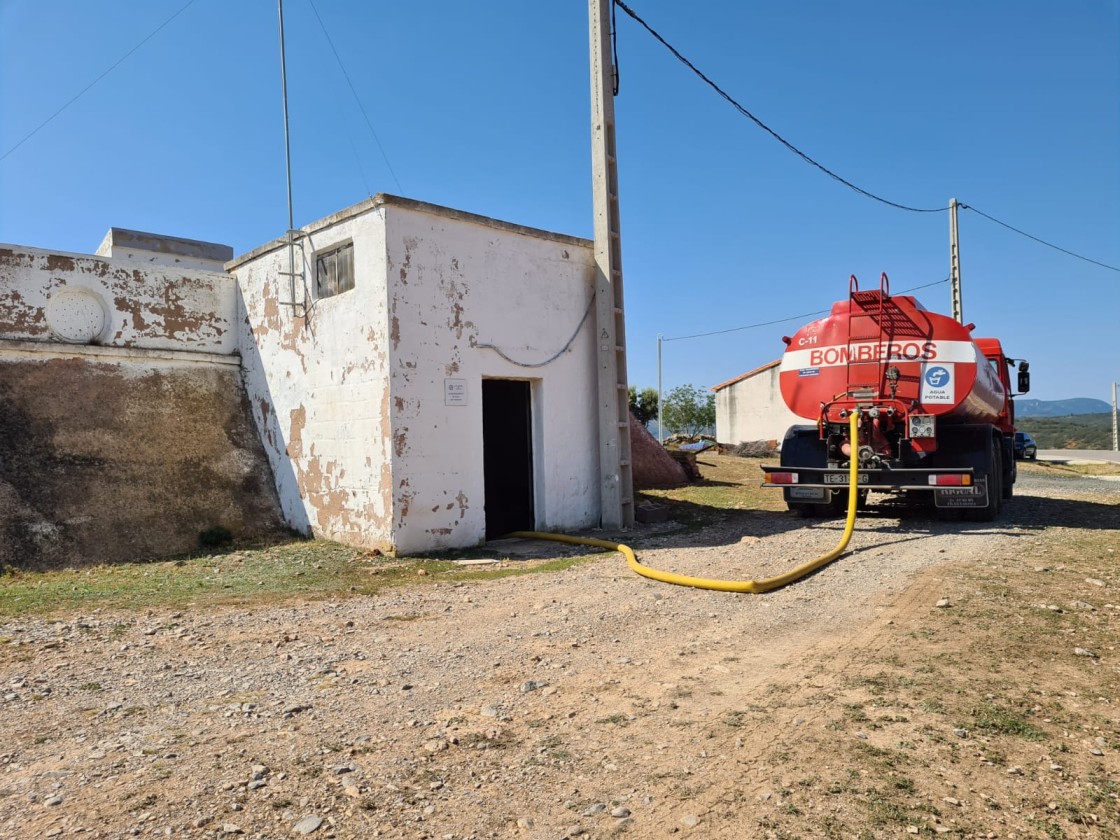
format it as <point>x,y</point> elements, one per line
<point>753,587</point>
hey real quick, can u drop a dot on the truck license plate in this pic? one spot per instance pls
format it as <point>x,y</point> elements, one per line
<point>842,478</point>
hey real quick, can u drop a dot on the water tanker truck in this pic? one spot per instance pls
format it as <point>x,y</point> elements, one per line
<point>936,416</point>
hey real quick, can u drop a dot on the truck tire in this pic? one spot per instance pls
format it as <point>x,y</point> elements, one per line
<point>803,447</point>
<point>838,507</point>
<point>835,508</point>
<point>1011,468</point>
<point>995,494</point>
<point>994,476</point>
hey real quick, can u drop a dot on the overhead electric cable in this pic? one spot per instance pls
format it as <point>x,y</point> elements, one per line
<point>84,90</point>
<point>790,318</point>
<point>361,169</point>
<point>964,206</point>
<point>361,107</point>
<point>614,48</point>
<point>742,110</point>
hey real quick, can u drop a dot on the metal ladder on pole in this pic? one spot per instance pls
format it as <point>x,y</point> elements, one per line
<point>615,473</point>
<point>618,316</point>
<point>292,273</point>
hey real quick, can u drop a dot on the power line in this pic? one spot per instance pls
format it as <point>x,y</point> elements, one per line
<point>86,89</point>
<point>742,110</point>
<point>614,49</point>
<point>358,160</point>
<point>791,318</point>
<point>361,107</point>
<point>964,206</point>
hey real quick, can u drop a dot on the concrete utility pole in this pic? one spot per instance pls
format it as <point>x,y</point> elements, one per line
<point>1115,435</point>
<point>615,478</point>
<point>955,262</point>
<point>660,401</point>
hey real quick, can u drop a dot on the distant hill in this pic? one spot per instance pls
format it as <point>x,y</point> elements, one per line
<point>1082,431</point>
<point>1060,408</point>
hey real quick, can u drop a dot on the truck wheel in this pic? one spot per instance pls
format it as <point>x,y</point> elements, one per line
<point>1009,475</point>
<point>803,447</point>
<point>994,476</point>
<point>813,510</point>
<point>917,499</point>
<point>950,514</point>
<point>995,494</point>
<point>838,507</point>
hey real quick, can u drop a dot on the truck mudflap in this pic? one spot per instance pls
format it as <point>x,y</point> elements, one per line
<point>952,488</point>
<point>975,496</point>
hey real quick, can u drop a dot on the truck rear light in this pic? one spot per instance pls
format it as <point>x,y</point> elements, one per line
<point>950,480</point>
<point>783,478</point>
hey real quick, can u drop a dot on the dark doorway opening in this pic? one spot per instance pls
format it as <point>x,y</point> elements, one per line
<point>507,456</point>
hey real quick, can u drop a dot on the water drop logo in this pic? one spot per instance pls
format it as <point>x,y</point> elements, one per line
<point>936,377</point>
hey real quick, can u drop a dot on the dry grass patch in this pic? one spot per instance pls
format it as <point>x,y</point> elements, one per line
<point>997,716</point>
<point>248,576</point>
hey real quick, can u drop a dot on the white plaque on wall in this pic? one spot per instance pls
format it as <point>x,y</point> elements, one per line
<point>454,392</point>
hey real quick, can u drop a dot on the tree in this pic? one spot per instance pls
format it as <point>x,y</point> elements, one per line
<point>643,404</point>
<point>689,410</point>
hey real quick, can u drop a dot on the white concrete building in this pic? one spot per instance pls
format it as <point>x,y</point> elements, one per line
<point>427,378</point>
<point>424,379</point>
<point>750,407</point>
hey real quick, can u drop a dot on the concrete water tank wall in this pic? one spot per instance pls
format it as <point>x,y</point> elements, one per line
<point>124,428</point>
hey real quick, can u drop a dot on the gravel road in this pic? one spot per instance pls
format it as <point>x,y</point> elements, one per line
<point>556,705</point>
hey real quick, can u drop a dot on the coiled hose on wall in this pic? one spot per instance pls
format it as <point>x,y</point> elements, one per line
<point>748,586</point>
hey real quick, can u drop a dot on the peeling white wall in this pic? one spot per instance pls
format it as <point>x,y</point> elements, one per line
<point>350,404</point>
<point>49,297</point>
<point>318,385</point>
<point>348,396</point>
<point>455,284</point>
<point>752,409</point>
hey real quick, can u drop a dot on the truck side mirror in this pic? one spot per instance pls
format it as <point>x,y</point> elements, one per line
<point>1024,381</point>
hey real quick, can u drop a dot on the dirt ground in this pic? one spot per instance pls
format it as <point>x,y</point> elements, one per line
<point>940,679</point>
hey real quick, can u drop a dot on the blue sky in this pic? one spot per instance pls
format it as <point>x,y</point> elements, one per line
<point>1012,107</point>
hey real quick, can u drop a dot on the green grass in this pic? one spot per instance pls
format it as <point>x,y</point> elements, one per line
<point>730,487</point>
<point>319,569</point>
<point>998,720</point>
<point>616,719</point>
<point>303,569</point>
